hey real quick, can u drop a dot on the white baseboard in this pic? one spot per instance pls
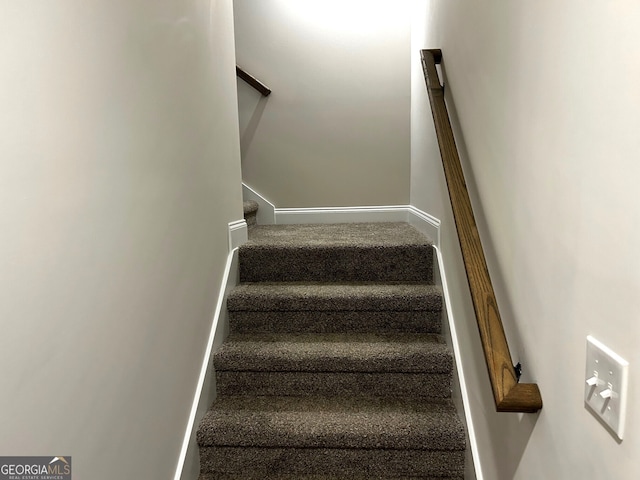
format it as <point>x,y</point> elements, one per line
<point>238,234</point>
<point>424,222</point>
<point>288,216</point>
<point>188,467</point>
<point>269,214</point>
<point>266,210</point>
<point>459,384</point>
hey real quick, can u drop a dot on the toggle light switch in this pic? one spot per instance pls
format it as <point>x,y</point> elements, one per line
<point>595,381</point>
<point>605,391</point>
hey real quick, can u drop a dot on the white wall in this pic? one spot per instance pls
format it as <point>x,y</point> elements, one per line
<point>119,173</point>
<point>335,130</point>
<point>549,141</point>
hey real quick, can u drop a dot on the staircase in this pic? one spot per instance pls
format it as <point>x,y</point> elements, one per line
<point>334,366</point>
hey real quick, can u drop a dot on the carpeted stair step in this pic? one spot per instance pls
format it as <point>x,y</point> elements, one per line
<point>336,252</point>
<point>339,464</point>
<point>334,364</point>
<point>386,437</point>
<point>250,208</point>
<point>335,307</point>
<point>334,367</point>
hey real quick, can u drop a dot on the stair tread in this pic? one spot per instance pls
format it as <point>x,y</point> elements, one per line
<point>424,353</point>
<point>336,252</point>
<point>387,234</point>
<point>344,423</point>
<point>364,296</point>
<point>250,206</point>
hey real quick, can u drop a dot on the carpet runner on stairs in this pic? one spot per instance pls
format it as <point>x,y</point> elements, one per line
<point>335,366</point>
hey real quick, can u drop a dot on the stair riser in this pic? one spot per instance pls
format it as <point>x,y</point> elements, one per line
<point>250,218</point>
<point>335,296</point>
<point>341,384</point>
<point>335,353</point>
<point>401,264</point>
<point>335,322</point>
<point>347,463</point>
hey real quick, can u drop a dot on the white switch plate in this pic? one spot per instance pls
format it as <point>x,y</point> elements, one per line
<point>608,372</point>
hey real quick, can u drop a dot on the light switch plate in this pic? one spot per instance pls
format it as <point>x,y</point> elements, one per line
<point>605,387</point>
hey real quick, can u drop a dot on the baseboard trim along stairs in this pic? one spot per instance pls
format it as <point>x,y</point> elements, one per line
<point>268,214</point>
<point>335,365</point>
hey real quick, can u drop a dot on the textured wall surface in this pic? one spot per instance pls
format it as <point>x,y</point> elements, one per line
<point>549,145</point>
<point>120,171</point>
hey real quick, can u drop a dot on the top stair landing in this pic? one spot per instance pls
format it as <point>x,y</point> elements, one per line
<point>360,252</point>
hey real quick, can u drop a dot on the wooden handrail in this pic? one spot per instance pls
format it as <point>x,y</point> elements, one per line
<point>253,81</point>
<point>508,394</point>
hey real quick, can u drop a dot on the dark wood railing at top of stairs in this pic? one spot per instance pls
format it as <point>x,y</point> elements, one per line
<point>253,81</point>
<point>508,393</point>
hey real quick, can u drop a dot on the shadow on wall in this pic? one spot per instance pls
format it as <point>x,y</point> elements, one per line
<point>510,440</point>
<point>251,105</point>
<point>502,437</point>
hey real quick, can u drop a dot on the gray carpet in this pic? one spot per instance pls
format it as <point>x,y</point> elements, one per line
<point>250,212</point>
<point>313,296</point>
<point>334,353</point>
<point>335,367</point>
<point>383,252</point>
